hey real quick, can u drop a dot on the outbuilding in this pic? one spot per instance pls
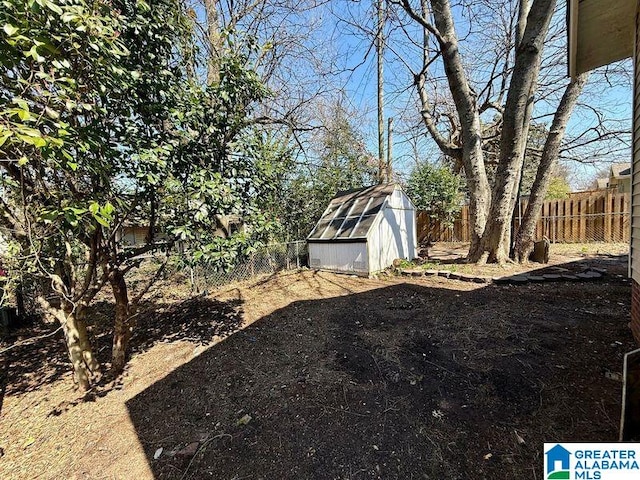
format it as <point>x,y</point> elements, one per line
<point>364,231</point>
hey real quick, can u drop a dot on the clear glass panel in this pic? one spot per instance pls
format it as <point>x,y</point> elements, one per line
<point>363,227</point>
<point>333,228</point>
<point>348,227</point>
<point>322,224</point>
<point>375,206</point>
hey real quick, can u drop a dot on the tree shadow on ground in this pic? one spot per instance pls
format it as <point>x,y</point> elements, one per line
<point>196,320</point>
<point>200,319</point>
<point>405,381</point>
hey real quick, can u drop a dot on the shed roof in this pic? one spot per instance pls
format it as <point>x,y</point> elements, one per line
<point>351,214</point>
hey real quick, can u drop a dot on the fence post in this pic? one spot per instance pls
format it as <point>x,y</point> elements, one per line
<point>626,219</point>
<point>297,254</point>
<point>583,219</point>
<point>193,279</point>
<point>562,222</point>
<point>287,257</point>
<point>607,216</point>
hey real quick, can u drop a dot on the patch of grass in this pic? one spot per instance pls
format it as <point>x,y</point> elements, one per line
<point>449,267</point>
<point>435,265</point>
<point>406,264</point>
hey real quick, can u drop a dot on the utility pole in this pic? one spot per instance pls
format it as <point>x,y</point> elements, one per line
<point>380,52</point>
<point>389,148</point>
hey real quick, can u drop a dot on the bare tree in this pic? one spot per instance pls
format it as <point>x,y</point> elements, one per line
<point>291,56</point>
<point>524,238</point>
<point>495,80</point>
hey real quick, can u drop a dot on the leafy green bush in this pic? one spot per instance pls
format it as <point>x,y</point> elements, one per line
<point>435,190</point>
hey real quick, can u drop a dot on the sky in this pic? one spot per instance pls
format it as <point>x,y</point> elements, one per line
<point>608,91</point>
<point>333,57</point>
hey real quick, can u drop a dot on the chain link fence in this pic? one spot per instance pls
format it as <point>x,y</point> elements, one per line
<point>267,260</point>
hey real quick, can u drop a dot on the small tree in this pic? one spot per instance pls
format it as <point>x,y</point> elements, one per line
<point>436,191</point>
<point>64,88</point>
<point>558,189</point>
<point>100,124</point>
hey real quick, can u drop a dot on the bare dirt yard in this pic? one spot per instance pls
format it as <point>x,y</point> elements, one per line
<point>311,375</point>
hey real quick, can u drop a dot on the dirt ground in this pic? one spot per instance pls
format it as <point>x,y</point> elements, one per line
<point>312,375</point>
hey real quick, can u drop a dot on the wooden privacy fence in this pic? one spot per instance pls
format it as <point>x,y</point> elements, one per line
<point>429,228</point>
<point>595,216</point>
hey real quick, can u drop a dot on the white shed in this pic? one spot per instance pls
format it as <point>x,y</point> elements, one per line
<point>364,231</point>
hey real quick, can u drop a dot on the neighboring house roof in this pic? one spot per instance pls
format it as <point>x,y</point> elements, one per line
<point>621,170</point>
<point>351,214</point>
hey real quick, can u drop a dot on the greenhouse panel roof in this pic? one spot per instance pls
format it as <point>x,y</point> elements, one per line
<point>351,214</point>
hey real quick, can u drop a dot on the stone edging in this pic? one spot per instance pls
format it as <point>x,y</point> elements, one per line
<point>517,279</point>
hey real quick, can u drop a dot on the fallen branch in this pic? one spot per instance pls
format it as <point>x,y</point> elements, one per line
<point>30,341</point>
<point>200,449</point>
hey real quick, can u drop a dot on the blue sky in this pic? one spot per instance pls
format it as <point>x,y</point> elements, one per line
<point>607,91</point>
<point>338,33</point>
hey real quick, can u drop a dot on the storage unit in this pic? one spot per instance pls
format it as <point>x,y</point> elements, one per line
<point>364,231</point>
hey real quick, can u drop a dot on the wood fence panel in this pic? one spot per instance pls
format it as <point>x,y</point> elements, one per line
<point>627,218</point>
<point>553,211</point>
<point>575,219</point>
<point>607,219</point>
<point>583,217</point>
<point>582,232</point>
<point>560,222</point>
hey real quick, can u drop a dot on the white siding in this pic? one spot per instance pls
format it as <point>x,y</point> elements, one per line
<point>377,240</point>
<point>400,200</point>
<point>601,33</point>
<point>339,257</point>
<point>394,235</point>
<point>635,167</point>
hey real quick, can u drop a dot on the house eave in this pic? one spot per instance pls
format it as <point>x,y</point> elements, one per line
<point>599,33</point>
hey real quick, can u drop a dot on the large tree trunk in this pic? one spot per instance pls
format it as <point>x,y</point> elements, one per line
<point>466,106</point>
<point>524,237</point>
<point>513,139</point>
<point>122,328</point>
<point>479,202</point>
<point>85,366</point>
<point>490,211</point>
